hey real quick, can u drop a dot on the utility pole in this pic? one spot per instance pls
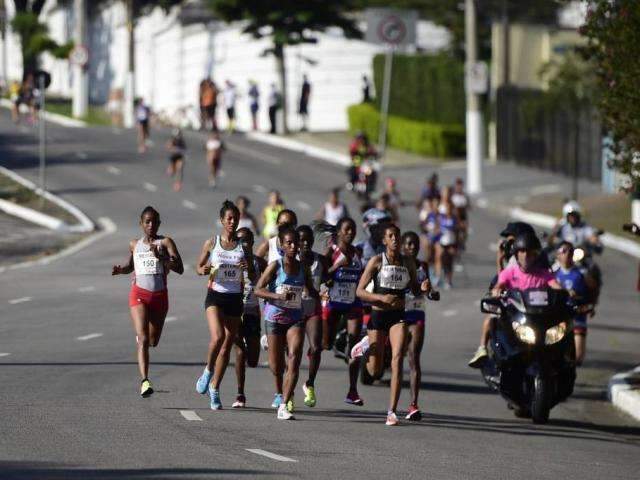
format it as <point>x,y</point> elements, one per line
<point>3,37</point>
<point>80,75</point>
<point>129,86</point>
<point>386,94</point>
<point>474,121</point>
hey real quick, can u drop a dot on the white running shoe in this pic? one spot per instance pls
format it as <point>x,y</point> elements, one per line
<point>283,412</point>
<point>360,348</point>
<point>264,343</point>
<point>392,419</point>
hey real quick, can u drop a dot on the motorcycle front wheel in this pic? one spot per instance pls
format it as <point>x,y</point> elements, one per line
<point>541,401</point>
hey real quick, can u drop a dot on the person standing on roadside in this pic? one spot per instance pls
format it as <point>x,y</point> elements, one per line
<point>208,103</point>
<point>303,109</point>
<point>275,102</point>
<point>142,119</point>
<point>230,95</point>
<point>366,89</point>
<point>254,98</point>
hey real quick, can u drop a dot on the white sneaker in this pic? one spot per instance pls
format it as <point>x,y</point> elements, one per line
<point>360,348</point>
<point>392,419</point>
<point>283,412</point>
<point>264,343</point>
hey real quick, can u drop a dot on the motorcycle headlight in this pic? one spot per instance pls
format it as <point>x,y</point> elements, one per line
<point>524,333</point>
<point>555,334</point>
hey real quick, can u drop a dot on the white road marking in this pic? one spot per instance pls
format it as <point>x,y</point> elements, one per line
<point>189,204</point>
<point>113,170</point>
<point>86,289</point>
<point>493,246</point>
<point>4,354</point>
<point>256,154</point>
<point>270,455</point>
<point>482,202</point>
<point>171,319</point>
<point>150,186</point>
<point>190,415</point>
<point>545,189</point>
<point>303,205</point>
<point>89,337</point>
<point>449,313</point>
<point>259,189</point>
<point>19,300</point>
<point>82,155</point>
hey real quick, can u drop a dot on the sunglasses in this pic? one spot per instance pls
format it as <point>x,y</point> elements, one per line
<point>563,250</point>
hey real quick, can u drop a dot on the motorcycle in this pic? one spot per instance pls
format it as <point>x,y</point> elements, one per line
<point>531,360</point>
<point>364,177</point>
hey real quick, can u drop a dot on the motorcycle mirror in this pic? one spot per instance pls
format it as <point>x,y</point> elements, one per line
<point>578,255</point>
<point>491,305</point>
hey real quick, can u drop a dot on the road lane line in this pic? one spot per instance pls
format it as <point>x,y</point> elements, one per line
<point>149,186</point>
<point>449,313</point>
<point>270,455</point>
<point>86,289</point>
<point>190,415</point>
<point>255,153</point>
<point>15,301</point>
<point>4,354</point>
<point>189,204</point>
<point>259,189</point>
<point>113,170</point>
<point>171,319</point>
<point>303,205</point>
<point>89,337</point>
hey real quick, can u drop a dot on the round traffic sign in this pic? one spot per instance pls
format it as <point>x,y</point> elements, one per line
<point>42,78</point>
<point>79,55</point>
<point>392,29</point>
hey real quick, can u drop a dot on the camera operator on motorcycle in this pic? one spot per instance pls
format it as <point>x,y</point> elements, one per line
<point>359,150</point>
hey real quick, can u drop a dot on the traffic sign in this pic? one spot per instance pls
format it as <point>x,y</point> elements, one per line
<point>477,78</point>
<point>79,55</point>
<point>389,26</point>
<point>42,78</point>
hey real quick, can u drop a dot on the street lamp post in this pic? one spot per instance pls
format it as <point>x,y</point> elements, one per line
<point>474,121</point>
<point>80,75</point>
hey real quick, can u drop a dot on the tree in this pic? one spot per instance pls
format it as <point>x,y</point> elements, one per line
<point>34,35</point>
<point>612,29</point>
<point>288,22</point>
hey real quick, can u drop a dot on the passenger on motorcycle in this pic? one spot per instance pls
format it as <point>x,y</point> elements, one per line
<point>578,284</point>
<point>359,150</point>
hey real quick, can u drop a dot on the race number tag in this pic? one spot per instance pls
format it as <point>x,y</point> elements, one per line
<point>538,298</point>
<point>294,294</point>
<point>145,263</point>
<point>226,273</point>
<point>414,303</point>
<point>343,292</point>
<point>394,277</point>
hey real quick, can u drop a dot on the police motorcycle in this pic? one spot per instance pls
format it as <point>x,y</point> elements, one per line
<point>531,361</point>
<point>364,170</point>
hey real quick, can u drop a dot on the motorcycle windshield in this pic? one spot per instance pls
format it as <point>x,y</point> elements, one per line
<point>539,301</point>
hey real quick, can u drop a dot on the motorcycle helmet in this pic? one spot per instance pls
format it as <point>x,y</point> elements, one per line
<point>571,207</point>
<point>527,241</point>
<point>517,228</point>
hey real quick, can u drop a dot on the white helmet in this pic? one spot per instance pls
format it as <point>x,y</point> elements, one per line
<point>571,207</point>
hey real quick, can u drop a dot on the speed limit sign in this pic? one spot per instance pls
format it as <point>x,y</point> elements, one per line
<point>391,26</point>
<point>79,55</point>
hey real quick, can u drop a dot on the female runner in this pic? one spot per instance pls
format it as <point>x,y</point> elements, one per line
<point>223,259</point>
<point>281,285</point>
<point>248,339</point>
<point>344,272</point>
<point>312,310</point>
<point>415,318</point>
<point>150,258</point>
<point>270,249</point>
<point>392,273</point>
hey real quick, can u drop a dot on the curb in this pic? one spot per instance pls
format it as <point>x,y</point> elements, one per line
<point>84,224</point>
<point>614,242</point>
<point>52,117</point>
<point>296,146</point>
<point>624,392</point>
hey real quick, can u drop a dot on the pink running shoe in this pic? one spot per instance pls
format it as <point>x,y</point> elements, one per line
<point>353,399</point>
<point>414,413</point>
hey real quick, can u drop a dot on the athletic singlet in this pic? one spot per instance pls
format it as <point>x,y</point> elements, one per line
<point>345,279</point>
<point>290,284</point>
<point>275,253</point>
<point>149,272</point>
<point>316,277</point>
<point>333,214</point>
<point>249,297</point>
<point>391,279</point>
<point>213,145</point>
<point>447,230</point>
<point>226,274</point>
<point>413,303</point>
<point>459,200</point>
<point>245,223</point>
<point>270,220</point>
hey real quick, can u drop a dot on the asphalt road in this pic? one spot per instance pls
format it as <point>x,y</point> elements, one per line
<point>69,403</point>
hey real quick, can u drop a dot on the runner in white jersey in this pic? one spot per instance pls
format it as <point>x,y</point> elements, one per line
<point>224,261</point>
<point>248,338</point>
<point>150,259</point>
<point>247,220</point>
<point>316,265</point>
<point>333,210</point>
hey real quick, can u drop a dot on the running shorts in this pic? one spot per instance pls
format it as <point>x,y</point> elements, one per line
<point>580,325</point>
<point>274,328</point>
<point>156,301</point>
<point>385,319</point>
<point>415,317</point>
<point>230,304</point>
<point>250,325</point>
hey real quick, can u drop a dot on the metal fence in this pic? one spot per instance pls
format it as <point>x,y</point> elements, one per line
<point>531,132</point>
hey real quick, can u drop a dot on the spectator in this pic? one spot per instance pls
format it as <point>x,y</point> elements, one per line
<point>208,104</point>
<point>254,97</point>
<point>275,103</point>
<point>142,113</point>
<point>366,87</point>
<point>303,110</point>
<point>230,96</point>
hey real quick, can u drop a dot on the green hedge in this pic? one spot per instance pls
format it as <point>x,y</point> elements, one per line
<point>425,138</point>
<point>428,88</point>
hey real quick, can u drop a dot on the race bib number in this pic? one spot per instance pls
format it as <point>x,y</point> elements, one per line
<point>394,277</point>
<point>414,303</point>
<point>145,263</point>
<point>294,296</point>
<point>343,292</point>
<point>226,273</point>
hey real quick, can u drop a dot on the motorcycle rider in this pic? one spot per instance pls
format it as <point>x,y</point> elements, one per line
<point>359,150</point>
<point>574,230</point>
